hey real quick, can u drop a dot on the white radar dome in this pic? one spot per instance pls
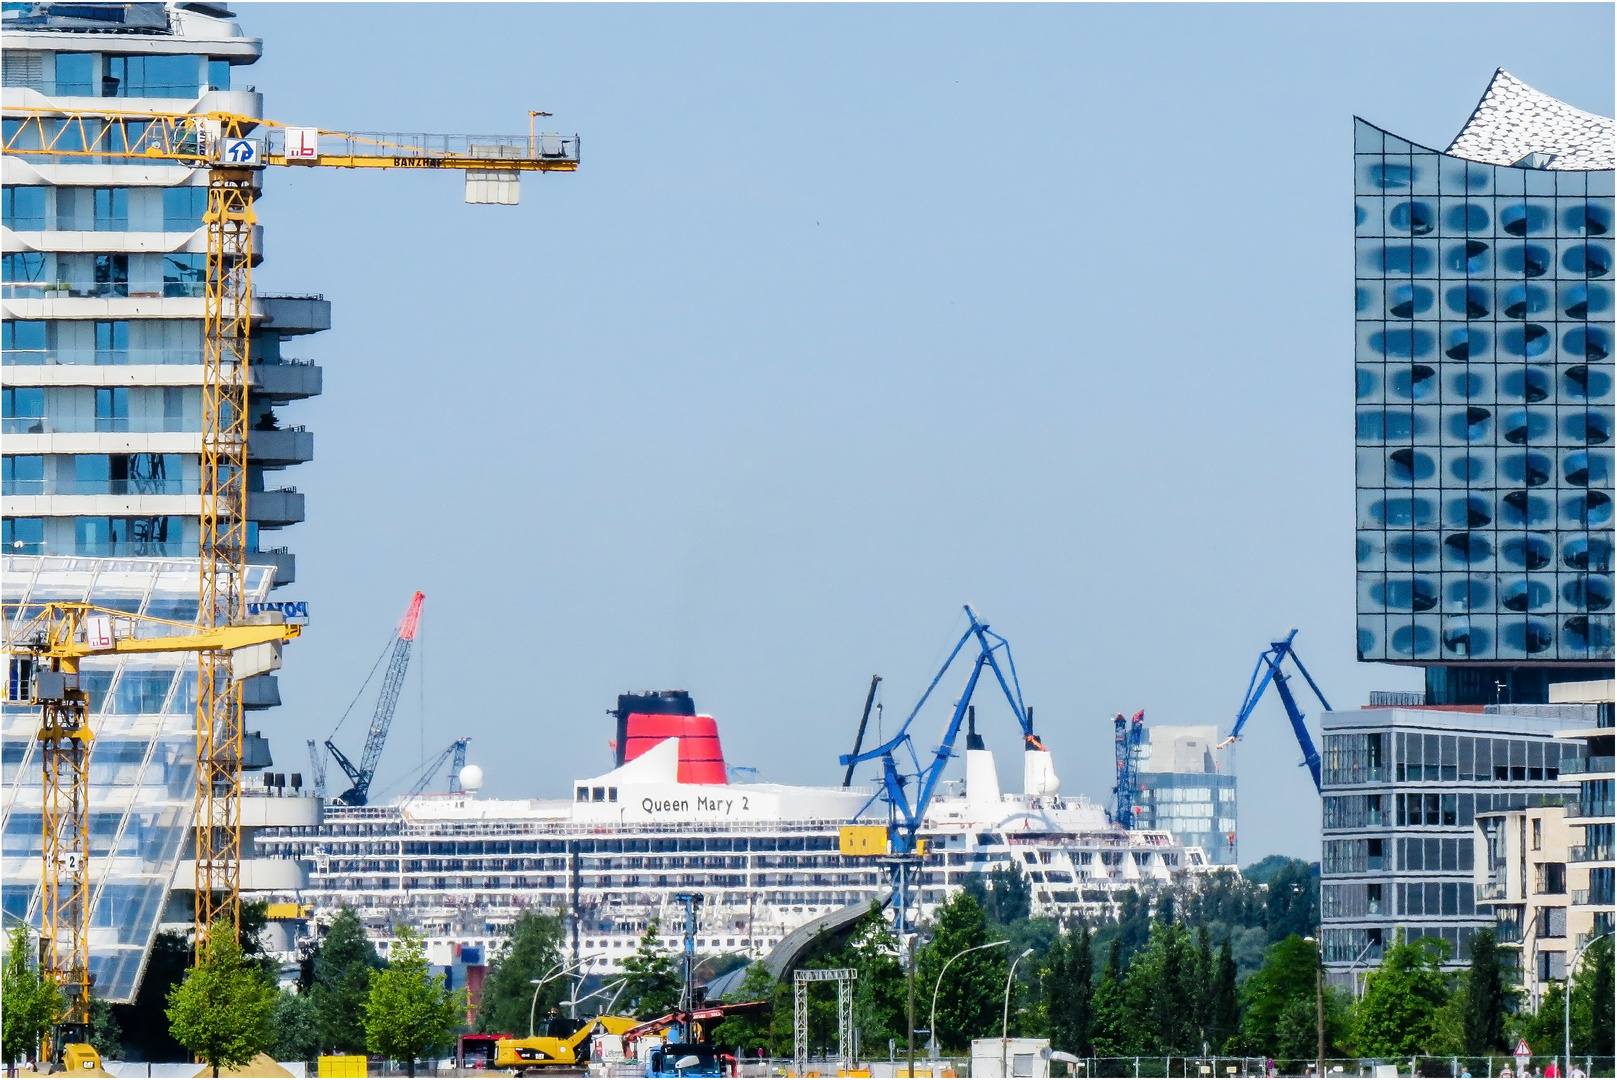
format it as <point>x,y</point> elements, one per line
<point>471,778</point>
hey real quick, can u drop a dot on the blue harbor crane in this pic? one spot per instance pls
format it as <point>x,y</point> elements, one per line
<point>907,786</point>
<point>387,700</point>
<point>1268,671</point>
<point>1128,737</point>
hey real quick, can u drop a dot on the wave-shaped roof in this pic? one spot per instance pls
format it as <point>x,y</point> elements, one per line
<point>1514,121</point>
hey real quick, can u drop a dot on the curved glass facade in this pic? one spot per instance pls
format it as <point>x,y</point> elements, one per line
<point>1484,297</point>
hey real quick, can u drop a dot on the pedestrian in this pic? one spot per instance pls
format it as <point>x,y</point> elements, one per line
<point>1506,1073</point>
<point>1552,1069</point>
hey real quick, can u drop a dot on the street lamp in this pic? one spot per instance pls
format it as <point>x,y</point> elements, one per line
<point>932,1036</point>
<point>550,976</point>
<point>1566,997</point>
<point>1005,1021</point>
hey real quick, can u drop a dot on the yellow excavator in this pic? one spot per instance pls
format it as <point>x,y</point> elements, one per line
<point>565,1044</point>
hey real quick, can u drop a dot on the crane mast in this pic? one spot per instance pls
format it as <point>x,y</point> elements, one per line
<point>46,646</point>
<point>231,148</point>
<point>387,701</point>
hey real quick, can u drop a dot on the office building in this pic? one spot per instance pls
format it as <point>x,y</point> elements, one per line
<point>1484,399</point>
<point>1183,791</point>
<point>1403,790</point>
<point>104,263</point>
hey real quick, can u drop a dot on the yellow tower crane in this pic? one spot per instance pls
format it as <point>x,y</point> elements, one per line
<point>46,645</point>
<point>234,149</point>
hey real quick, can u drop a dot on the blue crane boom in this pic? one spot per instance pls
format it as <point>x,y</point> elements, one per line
<point>1127,738</point>
<point>387,700</point>
<point>1268,671</point>
<point>904,815</point>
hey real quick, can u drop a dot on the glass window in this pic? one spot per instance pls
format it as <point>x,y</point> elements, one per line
<point>23,341</point>
<point>24,474</point>
<point>218,74</point>
<point>75,75</point>
<point>183,208</point>
<point>112,408</point>
<point>22,403</point>
<point>20,266</point>
<point>152,76</point>
<point>112,275</point>
<point>184,274</point>
<point>23,207</point>
<point>22,536</point>
<point>112,342</point>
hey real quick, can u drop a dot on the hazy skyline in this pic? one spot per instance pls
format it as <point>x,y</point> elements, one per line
<point>850,316</point>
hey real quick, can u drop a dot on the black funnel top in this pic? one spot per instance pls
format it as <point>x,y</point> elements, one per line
<point>650,703</point>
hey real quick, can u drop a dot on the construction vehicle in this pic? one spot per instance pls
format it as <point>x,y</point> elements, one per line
<point>1268,671</point>
<point>906,814</point>
<point>558,1047</point>
<point>231,148</point>
<point>387,700</point>
<point>46,646</point>
<point>1128,737</point>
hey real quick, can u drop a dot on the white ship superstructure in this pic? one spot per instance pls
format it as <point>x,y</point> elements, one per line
<point>764,857</point>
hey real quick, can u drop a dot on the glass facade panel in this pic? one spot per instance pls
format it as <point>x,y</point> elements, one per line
<point>1484,420</point>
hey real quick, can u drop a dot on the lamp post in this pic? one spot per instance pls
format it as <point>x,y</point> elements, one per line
<point>1319,1001</point>
<point>551,976</point>
<point>932,1038</point>
<point>1566,998</point>
<point>1005,1020</point>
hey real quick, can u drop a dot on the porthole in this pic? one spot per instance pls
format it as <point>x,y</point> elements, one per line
<point>1467,217</point>
<point>1408,466</point>
<point>1411,217</point>
<point>1529,470</point>
<point>1468,300</point>
<point>1587,259</point>
<point>1587,553</point>
<point>1524,300</point>
<point>1520,220</point>
<point>1586,633</point>
<point>1528,552</point>
<point>1530,340</point>
<point>1589,342</point>
<point>1527,635</point>
<point>1529,260</point>
<point>1587,219</point>
<point>1414,640</point>
<point>1583,382</point>
<point>1523,510</point>
<point>1467,548</point>
<point>1530,384</point>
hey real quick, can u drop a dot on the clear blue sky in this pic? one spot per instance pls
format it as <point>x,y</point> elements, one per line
<point>852,315</point>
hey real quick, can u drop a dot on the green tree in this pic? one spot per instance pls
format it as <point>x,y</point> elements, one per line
<point>1224,1009</point>
<point>1594,991</point>
<point>1109,1029</point>
<point>344,964</point>
<point>29,1002</point>
<point>750,1032</point>
<point>969,1002</point>
<point>409,1013</point>
<point>1069,990</point>
<point>1004,894</point>
<point>880,998</point>
<point>1485,998</point>
<point>1292,904</point>
<point>1288,975</point>
<point>297,1028</point>
<point>221,1012</point>
<point>533,951</point>
<point>1544,1028</point>
<point>1397,1015</point>
<point>105,1033</point>
<point>144,1021</point>
<point>652,982</point>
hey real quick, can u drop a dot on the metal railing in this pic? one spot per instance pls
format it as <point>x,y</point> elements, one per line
<point>1591,853</point>
<point>1591,808</point>
<point>101,357</point>
<point>1588,765</point>
<point>78,290</point>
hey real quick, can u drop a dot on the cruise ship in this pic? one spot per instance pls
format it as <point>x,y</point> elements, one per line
<point>666,820</point>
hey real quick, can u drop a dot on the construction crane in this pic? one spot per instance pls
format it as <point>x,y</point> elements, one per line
<point>46,645</point>
<point>361,775</point>
<point>1268,671</point>
<point>1128,736</point>
<point>905,814</point>
<point>455,754</point>
<point>317,768</point>
<point>231,148</point>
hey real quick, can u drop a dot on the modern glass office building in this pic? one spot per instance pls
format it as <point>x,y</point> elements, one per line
<point>1484,399</point>
<point>101,286</point>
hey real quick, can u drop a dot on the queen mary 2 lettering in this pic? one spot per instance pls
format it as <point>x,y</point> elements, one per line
<point>665,819</point>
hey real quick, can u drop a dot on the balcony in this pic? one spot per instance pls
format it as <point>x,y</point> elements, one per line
<point>1587,853</point>
<point>280,446</point>
<point>105,290</point>
<point>145,425</point>
<point>295,314</point>
<point>1588,765</point>
<point>275,509</point>
<point>1593,808</point>
<point>1491,892</point>
<point>287,380</point>
<point>285,563</point>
